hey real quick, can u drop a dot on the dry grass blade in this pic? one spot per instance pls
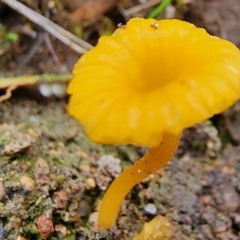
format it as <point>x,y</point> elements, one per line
<point>8,93</point>
<point>77,44</point>
<point>25,80</point>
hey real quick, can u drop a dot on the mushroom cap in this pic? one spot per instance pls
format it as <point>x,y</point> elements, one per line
<point>150,77</point>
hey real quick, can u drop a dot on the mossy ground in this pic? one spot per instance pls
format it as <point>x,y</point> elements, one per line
<point>49,169</point>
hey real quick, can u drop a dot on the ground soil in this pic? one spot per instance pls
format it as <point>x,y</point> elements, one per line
<point>51,180</point>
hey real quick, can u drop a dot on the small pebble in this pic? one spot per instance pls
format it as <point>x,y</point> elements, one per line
<point>61,230</point>
<point>206,199</point>
<point>185,219</point>
<point>236,220</point>
<point>45,90</point>
<point>93,218</point>
<point>186,229</point>
<point>61,199</point>
<point>41,172</point>
<point>85,168</point>
<point>27,183</point>
<point>220,227</point>
<point>90,183</point>
<point>45,226</point>
<point>56,89</point>
<point>150,208</point>
<point>34,118</point>
<point>109,166</point>
<point>59,90</point>
<point>20,238</point>
<point>71,217</point>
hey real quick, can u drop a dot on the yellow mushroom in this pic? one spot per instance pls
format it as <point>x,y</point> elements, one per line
<point>144,85</point>
<point>155,159</point>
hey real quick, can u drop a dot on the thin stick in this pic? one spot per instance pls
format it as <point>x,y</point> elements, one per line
<point>31,80</point>
<point>77,44</point>
<point>134,10</point>
<point>62,68</point>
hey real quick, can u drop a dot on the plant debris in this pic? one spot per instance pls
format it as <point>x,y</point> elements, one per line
<point>50,171</point>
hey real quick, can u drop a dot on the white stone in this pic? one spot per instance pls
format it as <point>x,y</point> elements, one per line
<point>59,90</point>
<point>150,208</point>
<point>45,90</point>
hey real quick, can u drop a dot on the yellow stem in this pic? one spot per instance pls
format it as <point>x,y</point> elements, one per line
<point>152,161</point>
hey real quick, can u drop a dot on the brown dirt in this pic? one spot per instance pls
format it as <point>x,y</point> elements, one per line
<point>51,180</point>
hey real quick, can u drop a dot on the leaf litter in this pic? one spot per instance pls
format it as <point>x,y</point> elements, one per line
<point>50,175</point>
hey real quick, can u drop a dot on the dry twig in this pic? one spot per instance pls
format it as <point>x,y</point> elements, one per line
<point>31,52</point>
<point>77,44</point>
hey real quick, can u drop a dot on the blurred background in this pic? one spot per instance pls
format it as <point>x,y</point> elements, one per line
<point>52,177</point>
